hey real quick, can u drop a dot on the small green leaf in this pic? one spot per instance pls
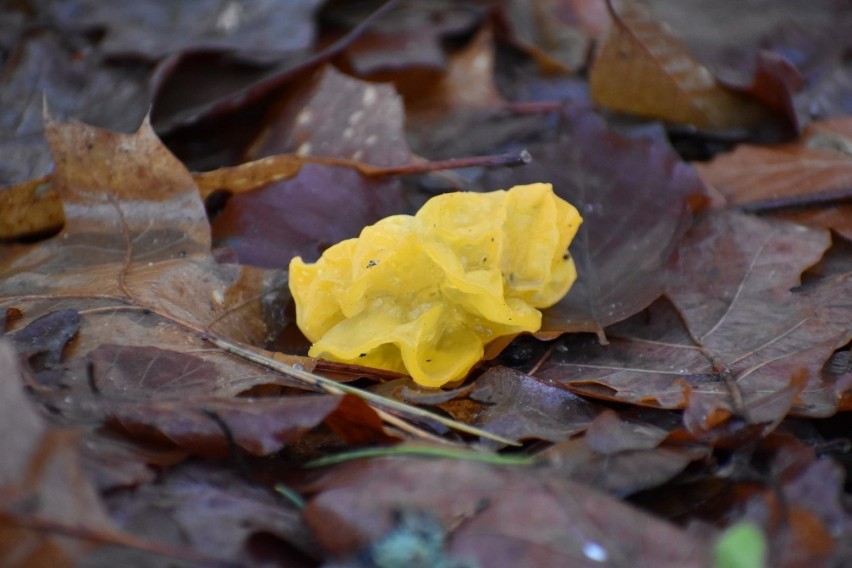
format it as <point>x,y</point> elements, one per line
<point>741,546</point>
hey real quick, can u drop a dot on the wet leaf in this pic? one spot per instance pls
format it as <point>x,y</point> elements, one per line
<point>41,478</point>
<point>522,407</point>
<point>558,33</point>
<point>112,209</point>
<point>135,433</point>
<point>30,209</point>
<point>633,194</point>
<point>495,517</point>
<point>623,455</point>
<point>210,509</point>
<point>207,426</point>
<point>152,282</point>
<point>745,333</point>
<point>152,29</point>
<point>338,116</point>
<point>301,216</point>
<point>467,82</point>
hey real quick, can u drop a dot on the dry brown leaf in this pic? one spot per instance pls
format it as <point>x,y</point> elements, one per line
<point>643,69</point>
<point>815,169</point>
<point>134,258</point>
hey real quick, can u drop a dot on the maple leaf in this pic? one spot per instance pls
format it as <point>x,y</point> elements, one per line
<point>134,261</point>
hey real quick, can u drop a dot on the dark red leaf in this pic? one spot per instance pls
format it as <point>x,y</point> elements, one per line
<point>632,193</point>
<point>304,215</point>
<point>257,426</point>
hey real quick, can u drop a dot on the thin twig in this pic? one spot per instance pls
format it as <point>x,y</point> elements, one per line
<point>319,381</point>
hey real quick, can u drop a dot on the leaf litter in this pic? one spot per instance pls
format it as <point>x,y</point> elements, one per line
<point>696,376</point>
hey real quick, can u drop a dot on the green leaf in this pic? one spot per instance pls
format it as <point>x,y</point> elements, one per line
<point>741,546</point>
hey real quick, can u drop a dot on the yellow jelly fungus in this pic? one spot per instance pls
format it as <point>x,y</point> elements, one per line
<point>424,294</point>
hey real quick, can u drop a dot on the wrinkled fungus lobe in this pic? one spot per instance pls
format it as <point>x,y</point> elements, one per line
<point>424,294</point>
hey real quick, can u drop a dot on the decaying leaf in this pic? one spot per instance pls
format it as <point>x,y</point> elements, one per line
<point>622,455</point>
<point>633,194</point>
<point>700,374</point>
<point>557,33</point>
<point>643,69</point>
<point>745,331</point>
<point>496,517</point>
<point>149,229</point>
<point>74,84</point>
<point>815,169</point>
<point>521,407</point>
<point>408,39</point>
<point>152,29</point>
<point>134,261</point>
<point>41,479</point>
<point>212,509</point>
<point>467,82</point>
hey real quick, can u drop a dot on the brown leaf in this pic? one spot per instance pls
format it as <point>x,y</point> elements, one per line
<point>135,233</point>
<point>331,116</point>
<point>643,69</point>
<point>624,454</point>
<point>151,29</point>
<point>210,509</point>
<point>407,38</point>
<point>73,82</point>
<point>334,115</point>
<point>633,194</point>
<point>46,337</point>
<point>30,209</point>
<point>623,473</point>
<point>495,517</point>
<point>816,169</point>
<point>557,33</point>
<point>302,216</point>
<point>41,477</point>
<point>467,82</point>
<point>205,426</point>
<point>24,425</point>
<point>523,407</point>
<point>745,328</point>
<point>800,510</point>
<point>134,260</point>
